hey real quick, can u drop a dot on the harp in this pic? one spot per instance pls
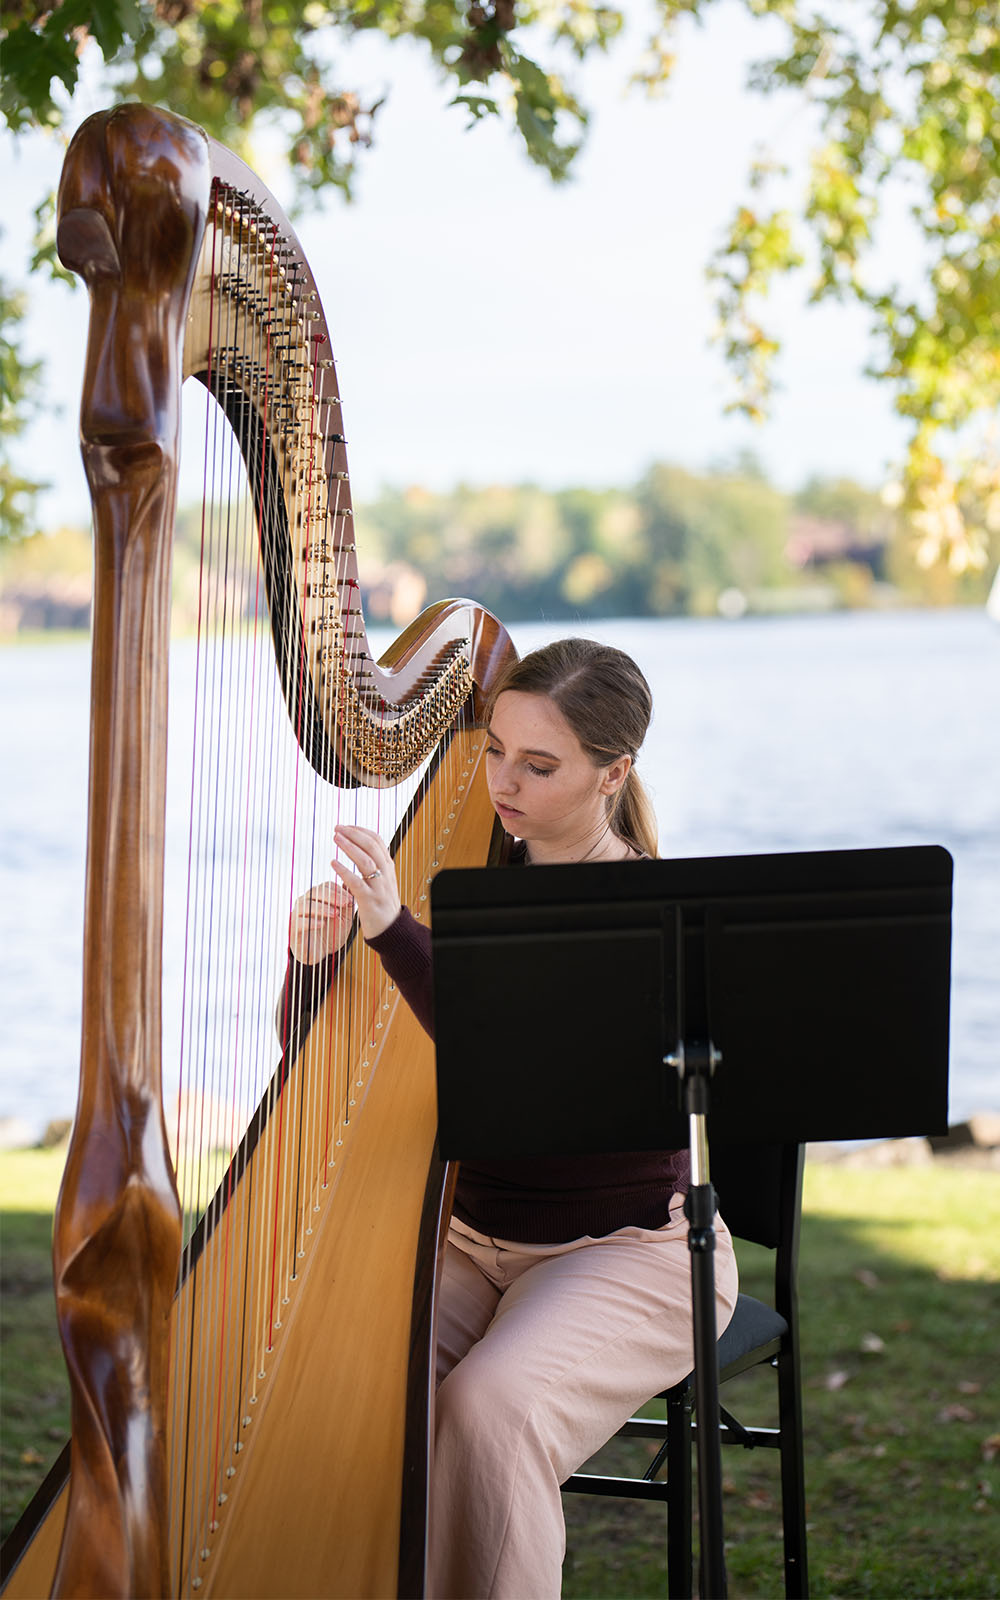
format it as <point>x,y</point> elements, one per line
<point>244,1262</point>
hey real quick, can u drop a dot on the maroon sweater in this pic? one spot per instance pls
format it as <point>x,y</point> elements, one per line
<point>538,1199</point>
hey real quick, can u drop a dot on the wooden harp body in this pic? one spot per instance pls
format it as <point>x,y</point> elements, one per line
<point>249,1341</point>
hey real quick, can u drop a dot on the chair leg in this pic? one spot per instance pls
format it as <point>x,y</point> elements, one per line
<point>680,1505</point>
<point>793,1491</point>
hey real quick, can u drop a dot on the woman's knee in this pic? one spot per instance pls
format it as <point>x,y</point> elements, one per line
<point>481,1399</point>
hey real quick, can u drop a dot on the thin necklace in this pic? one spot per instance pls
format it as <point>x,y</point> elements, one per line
<point>596,845</point>
<point>600,840</point>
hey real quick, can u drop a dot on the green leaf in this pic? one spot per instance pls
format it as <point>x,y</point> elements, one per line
<point>31,60</point>
<point>477,105</point>
<point>110,22</point>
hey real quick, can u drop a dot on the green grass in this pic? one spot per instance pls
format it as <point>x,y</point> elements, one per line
<point>902,1402</point>
<point>34,1395</point>
<point>900,1335</point>
<point>29,1181</point>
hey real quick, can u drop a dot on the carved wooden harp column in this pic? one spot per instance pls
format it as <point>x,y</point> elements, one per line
<point>249,1415</point>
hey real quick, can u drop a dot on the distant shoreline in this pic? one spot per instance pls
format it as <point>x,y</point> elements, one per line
<point>974,1143</point>
<point>786,610</point>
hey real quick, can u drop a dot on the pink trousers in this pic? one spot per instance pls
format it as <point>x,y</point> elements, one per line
<point>544,1351</point>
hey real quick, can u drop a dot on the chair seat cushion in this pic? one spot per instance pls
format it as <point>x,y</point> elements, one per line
<point>753,1325</point>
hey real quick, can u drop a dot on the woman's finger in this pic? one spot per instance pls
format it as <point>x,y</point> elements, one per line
<point>326,894</point>
<point>330,903</point>
<point>364,861</point>
<point>320,921</point>
<point>366,837</point>
<point>365,848</point>
<point>373,881</point>
<point>321,893</point>
<point>364,884</point>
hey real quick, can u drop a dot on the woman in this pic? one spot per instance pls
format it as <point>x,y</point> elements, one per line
<point>565,1299</point>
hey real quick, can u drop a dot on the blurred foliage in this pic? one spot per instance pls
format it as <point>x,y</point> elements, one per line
<point>890,99</point>
<point>677,543</point>
<point>66,552</point>
<point>20,396</point>
<point>228,63</point>
<point>234,65</point>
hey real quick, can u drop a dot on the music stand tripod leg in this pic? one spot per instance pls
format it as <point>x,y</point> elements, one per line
<point>695,1064</point>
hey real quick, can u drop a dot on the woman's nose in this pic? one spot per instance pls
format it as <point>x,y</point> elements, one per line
<point>504,781</point>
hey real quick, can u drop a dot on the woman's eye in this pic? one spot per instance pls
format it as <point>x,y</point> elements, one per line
<point>539,772</point>
<point>491,750</point>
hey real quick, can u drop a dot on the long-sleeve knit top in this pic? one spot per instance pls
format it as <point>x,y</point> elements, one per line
<point>538,1199</point>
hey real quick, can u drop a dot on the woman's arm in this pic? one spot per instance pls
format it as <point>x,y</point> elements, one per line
<point>401,942</point>
<point>405,952</point>
<point>305,986</point>
<point>318,928</point>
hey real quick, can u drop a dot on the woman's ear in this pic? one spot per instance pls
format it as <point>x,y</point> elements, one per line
<point>615,775</point>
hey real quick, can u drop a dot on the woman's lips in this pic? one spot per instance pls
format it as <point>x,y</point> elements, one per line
<point>506,811</point>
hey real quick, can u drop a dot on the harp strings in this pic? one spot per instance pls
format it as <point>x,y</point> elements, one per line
<point>257,830</point>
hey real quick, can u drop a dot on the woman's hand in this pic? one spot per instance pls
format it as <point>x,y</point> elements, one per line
<point>320,923</point>
<point>373,883</point>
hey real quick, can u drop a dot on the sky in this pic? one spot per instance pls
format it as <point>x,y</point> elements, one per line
<point>490,327</point>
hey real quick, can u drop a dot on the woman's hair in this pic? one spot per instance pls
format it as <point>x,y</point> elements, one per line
<point>607,703</point>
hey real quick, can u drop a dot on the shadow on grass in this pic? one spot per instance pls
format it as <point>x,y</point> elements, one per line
<point>34,1420</point>
<point>902,1411</point>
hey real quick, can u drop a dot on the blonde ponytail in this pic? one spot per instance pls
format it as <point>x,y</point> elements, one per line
<point>634,819</point>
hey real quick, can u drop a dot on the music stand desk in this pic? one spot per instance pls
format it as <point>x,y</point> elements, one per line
<point>810,990</point>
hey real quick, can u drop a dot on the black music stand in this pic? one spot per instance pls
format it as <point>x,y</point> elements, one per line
<point>571,1002</point>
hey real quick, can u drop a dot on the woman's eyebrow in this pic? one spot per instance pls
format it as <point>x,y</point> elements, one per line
<point>547,754</point>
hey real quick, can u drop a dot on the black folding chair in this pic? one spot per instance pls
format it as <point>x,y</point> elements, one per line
<point>760,1196</point>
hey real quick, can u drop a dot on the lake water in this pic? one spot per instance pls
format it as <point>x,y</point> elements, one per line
<point>844,731</point>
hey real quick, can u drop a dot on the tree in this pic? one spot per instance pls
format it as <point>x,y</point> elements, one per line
<point>230,63</point>
<point>904,97</point>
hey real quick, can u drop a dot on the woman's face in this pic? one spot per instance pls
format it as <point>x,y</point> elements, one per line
<point>543,785</point>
